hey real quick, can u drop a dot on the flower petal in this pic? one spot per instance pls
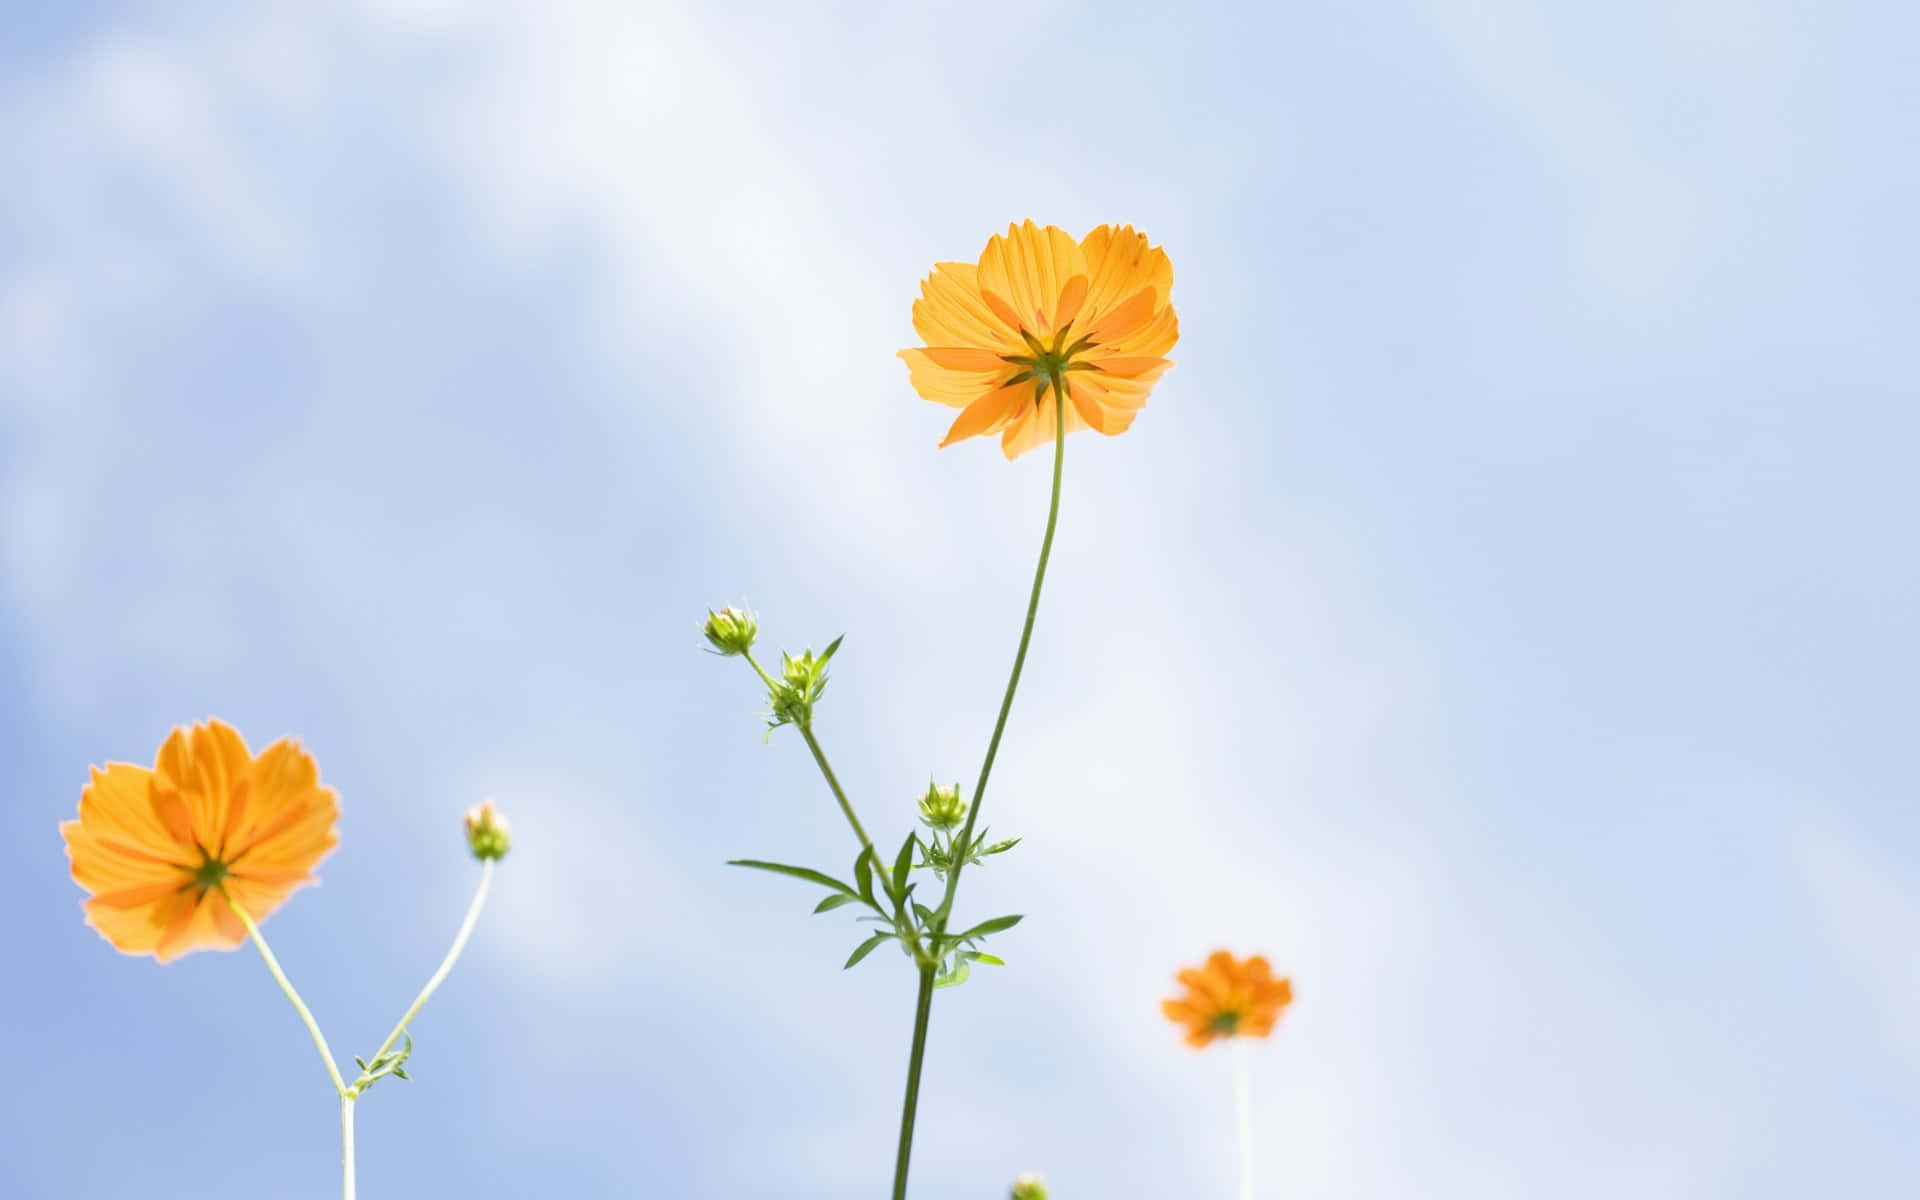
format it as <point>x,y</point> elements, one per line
<point>990,412</point>
<point>1029,269</point>
<point>952,312</point>
<point>943,385</point>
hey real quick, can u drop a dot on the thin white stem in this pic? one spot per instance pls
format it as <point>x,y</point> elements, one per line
<point>346,1146</point>
<point>1243,1104</point>
<point>446,964</point>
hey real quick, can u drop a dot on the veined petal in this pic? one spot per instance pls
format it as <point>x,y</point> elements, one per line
<point>117,804</point>
<point>965,358</point>
<point>1147,369</point>
<point>990,411</point>
<point>943,385</point>
<point>1029,269</point>
<point>1124,318</point>
<point>1119,263</point>
<point>1036,427</point>
<point>951,312</point>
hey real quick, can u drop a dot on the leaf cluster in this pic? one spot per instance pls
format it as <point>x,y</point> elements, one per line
<point>886,892</point>
<point>803,680</point>
<point>393,1063</point>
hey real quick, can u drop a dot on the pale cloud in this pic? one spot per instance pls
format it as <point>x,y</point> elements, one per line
<point>1865,916</point>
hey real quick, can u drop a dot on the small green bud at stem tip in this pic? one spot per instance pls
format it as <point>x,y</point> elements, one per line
<point>1029,1187</point>
<point>731,631</point>
<point>488,835</point>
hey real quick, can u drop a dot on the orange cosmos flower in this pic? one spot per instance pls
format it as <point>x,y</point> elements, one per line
<point>1228,998</point>
<point>157,848</point>
<point>1095,313</point>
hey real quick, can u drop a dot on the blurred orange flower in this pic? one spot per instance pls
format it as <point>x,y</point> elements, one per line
<point>1228,998</point>
<point>159,849</point>
<point>1097,313</point>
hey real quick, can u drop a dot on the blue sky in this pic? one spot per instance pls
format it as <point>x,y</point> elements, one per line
<point>1503,616</point>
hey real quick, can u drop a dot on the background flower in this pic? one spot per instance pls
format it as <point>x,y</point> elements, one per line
<point>158,847</point>
<point>1228,997</point>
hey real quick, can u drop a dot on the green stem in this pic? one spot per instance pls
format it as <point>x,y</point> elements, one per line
<point>446,964</point>
<point>819,757</point>
<point>813,744</point>
<point>925,1004</point>
<point>1019,657</point>
<point>1243,1109</point>
<point>923,1009</point>
<point>346,1146</point>
<point>319,1042</point>
<point>286,985</point>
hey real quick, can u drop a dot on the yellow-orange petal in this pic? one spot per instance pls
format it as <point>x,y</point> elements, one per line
<point>207,766</point>
<point>197,928</point>
<point>116,804</point>
<point>1124,318</point>
<point>1029,269</point>
<point>1088,407</point>
<point>952,312</point>
<point>990,412</point>
<point>136,930</point>
<point>943,385</point>
<point>1120,262</point>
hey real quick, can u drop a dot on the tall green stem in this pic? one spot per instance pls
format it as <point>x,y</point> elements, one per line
<point>1019,656</point>
<point>319,1042</point>
<point>286,985</point>
<point>346,1145</point>
<point>925,1004</point>
<point>819,757</point>
<point>446,964</point>
<point>1243,1110</point>
<point>922,1010</point>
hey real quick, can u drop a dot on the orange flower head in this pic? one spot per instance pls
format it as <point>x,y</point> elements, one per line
<point>1228,997</point>
<point>1094,316</point>
<point>159,850</point>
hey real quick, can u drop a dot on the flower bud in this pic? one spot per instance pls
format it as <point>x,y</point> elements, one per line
<point>942,808</point>
<point>731,630</point>
<point>487,833</point>
<point>1029,1187</point>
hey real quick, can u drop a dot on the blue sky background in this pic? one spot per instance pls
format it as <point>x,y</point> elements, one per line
<point>1504,615</point>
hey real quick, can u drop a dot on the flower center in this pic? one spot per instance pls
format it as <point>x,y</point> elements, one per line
<point>1227,1023</point>
<point>210,874</point>
<point>1048,363</point>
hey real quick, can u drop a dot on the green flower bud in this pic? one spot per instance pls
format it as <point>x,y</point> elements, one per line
<point>942,808</point>
<point>731,630</point>
<point>487,833</point>
<point>802,680</point>
<point>1029,1187</point>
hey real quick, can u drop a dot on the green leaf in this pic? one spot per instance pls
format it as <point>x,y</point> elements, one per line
<point>991,960</point>
<point>1000,847</point>
<point>863,874</point>
<point>994,926</point>
<point>831,647</point>
<point>867,947</point>
<point>953,978</point>
<point>835,901</point>
<point>902,862</point>
<point>806,873</point>
<point>925,913</point>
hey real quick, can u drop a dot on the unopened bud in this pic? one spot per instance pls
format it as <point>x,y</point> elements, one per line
<point>1029,1187</point>
<point>487,832</point>
<point>731,630</point>
<point>942,808</point>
